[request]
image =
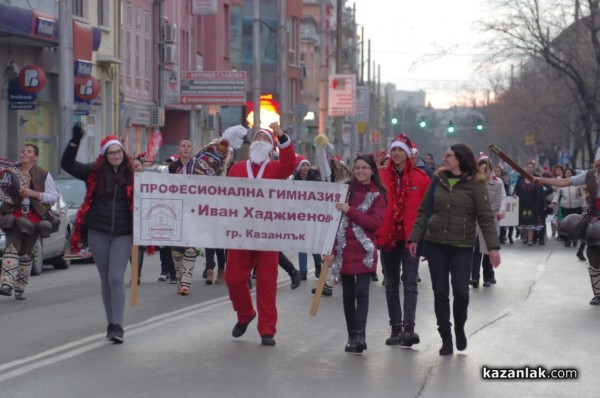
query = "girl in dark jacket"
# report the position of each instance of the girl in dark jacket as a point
(107, 213)
(355, 252)
(460, 202)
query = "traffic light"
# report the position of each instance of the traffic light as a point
(394, 120)
(423, 123)
(450, 127)
(479, 125)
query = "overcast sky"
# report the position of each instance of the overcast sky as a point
(406, 35)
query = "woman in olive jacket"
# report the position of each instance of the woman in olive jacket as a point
(460, 202)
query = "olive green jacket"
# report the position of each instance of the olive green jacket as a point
(456, 210)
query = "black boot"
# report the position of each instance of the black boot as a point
(580, 255)
(461, 338)
(318, 270)
(351, 344)
(446, 334)
(409, 337)
(395, 336)
(361, 344)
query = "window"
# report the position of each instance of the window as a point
(147, 49)
(103, 13)
(293, 39)
(80, 8)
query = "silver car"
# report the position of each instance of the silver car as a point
(54, 247)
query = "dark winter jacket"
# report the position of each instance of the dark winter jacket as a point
(109, 213)
(354, 253)
(456, 210)
(312, 175)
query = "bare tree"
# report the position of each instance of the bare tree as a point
(554, 34)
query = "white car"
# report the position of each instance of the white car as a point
(54, 247)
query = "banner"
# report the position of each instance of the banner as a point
(235, 213)
(511, 213)
(342, 95)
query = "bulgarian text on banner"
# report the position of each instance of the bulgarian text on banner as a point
(235, 213)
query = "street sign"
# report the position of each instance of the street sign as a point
(212, 88)
(26, 106)
(342, 95)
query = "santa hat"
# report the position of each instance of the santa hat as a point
(108, 141)
(300, 160)
(235, 135)
(483, 157)
(268, 133)
(402, 141)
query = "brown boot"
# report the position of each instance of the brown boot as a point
(209, 276)
(220, 277)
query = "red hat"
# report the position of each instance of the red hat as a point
(401, 141)
(483, 157)
(300, 159)
(108, 141)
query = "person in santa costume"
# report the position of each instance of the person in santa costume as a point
(406, 186)
(241, 262)
(107, 212)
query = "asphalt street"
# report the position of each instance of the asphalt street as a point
(537, 315)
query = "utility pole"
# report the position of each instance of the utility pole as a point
(284, 105)
(353, 131)
(66, 80)
(322, 71)
(256, 65)
(338, 69)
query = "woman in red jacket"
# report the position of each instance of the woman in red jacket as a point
(406, 186)
(355, 252)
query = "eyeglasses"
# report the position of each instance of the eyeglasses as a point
(362, 168)
(114, 153)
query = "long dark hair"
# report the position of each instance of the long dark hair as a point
(106, 178)
(466, 159)
(375, 179)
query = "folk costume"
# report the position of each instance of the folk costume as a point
(23, 221)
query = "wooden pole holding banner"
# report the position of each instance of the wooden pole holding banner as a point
(322, 278)
(134, 276)
(512, 163)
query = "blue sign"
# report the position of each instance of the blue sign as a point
(27, 106)
(83, 68)
(81, 112)
(44, 27)
(16, 94)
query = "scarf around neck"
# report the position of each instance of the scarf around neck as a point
(399, 193)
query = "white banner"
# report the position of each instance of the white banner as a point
(511, 213)
(235, 213)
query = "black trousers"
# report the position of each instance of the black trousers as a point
(355, 291)
(167, 266)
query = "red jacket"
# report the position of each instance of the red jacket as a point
(419, 182)
(275, 169)
(354, 253)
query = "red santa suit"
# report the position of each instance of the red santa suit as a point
(241, 262)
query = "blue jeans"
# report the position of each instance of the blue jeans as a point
(303, 259)
(397, 262)
(454, 263)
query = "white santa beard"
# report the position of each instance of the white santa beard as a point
(260, 151)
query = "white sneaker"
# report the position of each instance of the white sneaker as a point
(162, 277)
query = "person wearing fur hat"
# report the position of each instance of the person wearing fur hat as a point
(406, 187)
(234, 136)
(184, 258)
(26, 212)
(591, 180)
(241, 262)
(460, 201)
(305, 173)
(497, 198)
(107, 212)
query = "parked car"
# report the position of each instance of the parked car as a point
(54, 247)
(73, 191)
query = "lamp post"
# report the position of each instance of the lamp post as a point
(256, 65)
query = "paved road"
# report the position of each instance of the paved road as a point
(537, 315)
